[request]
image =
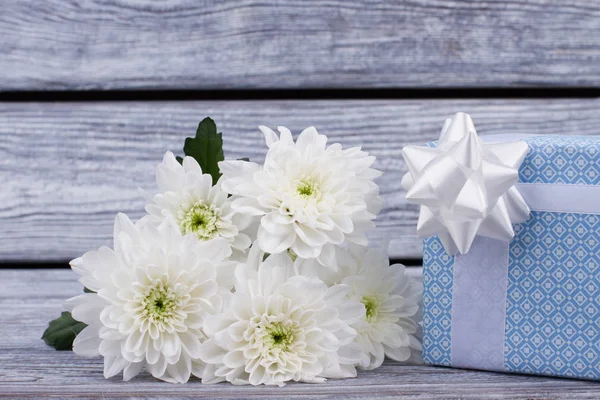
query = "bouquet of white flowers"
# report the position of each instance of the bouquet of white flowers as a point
(247, 273)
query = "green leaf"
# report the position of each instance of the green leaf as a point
(206, 148)
(62, 331)
(179, 159)
(86, 290)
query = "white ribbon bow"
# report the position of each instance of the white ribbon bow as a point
(465, 187)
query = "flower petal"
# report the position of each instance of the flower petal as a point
(87, 342)
(272, 243)
(132, 370)
(114, 365)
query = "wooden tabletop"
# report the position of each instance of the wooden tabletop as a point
(29, 298)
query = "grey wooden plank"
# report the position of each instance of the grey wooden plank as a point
(67, 168)
(28, 368)
(190, 44)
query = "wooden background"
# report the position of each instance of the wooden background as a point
(93, 92)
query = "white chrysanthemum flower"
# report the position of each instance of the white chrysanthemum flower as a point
(280, 327)
(310, 197)
(391, 299)
(188, 196)
(153, 292)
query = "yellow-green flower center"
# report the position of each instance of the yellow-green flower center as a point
(159, 303)
(307, 188)
(280, 335)
(200, 219)
(371, 307)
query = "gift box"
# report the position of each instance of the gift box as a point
(531, 304)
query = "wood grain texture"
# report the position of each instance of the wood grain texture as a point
(29, 299)
(67, 168)
(191, 44)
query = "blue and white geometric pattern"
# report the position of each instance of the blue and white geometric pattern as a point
(553, 297)
(437, 302)
(562, 159)
(552, 323)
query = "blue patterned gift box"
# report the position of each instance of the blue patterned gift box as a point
(533, 307)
